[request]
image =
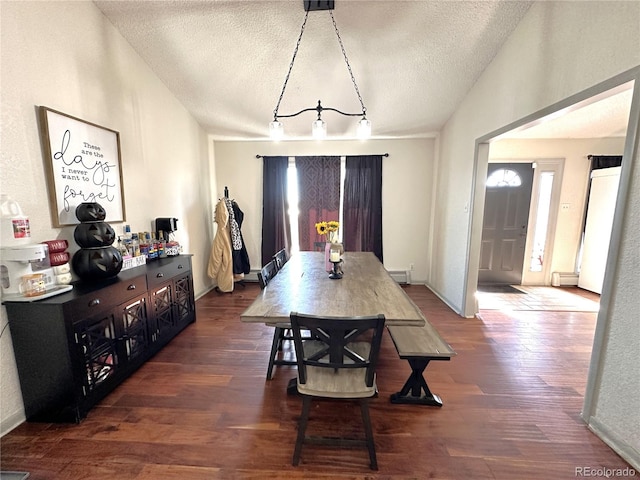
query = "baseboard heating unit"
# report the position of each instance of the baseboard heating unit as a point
(564, 279)
(401, 276)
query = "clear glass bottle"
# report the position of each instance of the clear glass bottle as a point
(162, 245)
(144, 245)
(127, 239)
(122, 248)
(135, 245)
(153, 254)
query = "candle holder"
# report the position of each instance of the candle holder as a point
(335, 273)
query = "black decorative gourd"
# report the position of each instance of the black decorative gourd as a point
(94, 234)
(90, 212)
(97, 259)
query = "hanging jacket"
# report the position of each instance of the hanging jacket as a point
(220, 260)
(241, 264)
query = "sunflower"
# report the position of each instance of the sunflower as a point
(333, 226)
(322, 228)
(328, 229)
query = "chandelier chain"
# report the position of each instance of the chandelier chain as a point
(293, 59)
(346, 60)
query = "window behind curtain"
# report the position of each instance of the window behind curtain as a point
(276, 232)
(318, 196)
(362, 230)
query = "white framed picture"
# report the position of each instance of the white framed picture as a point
(83, 164)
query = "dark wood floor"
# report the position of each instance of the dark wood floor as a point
(202, 409)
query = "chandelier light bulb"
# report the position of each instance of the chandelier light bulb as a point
(319, 129)
(276, 130)
(364, 128)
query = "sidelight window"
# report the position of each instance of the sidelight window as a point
(541, 222)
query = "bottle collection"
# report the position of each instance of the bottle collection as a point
(146, 244)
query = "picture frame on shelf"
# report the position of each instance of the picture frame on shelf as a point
(83, 164)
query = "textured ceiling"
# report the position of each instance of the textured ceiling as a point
(413, 61)
(226, 61)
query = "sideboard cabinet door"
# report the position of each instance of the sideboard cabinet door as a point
(171, 297)
(97, 347)
(164, 321)
(184, 300)
(135, 335)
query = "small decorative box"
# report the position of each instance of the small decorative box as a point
(131, 262)
(172, 249)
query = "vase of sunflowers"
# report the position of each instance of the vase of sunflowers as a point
(333, 248)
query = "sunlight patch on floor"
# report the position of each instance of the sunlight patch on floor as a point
(536, 299)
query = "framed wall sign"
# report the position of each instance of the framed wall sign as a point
(83, 164)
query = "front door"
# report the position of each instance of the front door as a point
(506, 215)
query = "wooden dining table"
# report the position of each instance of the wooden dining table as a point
(303, 285)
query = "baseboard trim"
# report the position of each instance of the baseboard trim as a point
(445, 300)
(622, 448)
(11, 422)
(199, 295)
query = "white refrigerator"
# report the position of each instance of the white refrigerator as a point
(597, 233)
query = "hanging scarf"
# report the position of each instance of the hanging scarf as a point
(236, 239)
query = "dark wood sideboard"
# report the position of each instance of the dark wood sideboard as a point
(73, 349)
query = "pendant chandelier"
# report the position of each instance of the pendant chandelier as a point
(319, 126)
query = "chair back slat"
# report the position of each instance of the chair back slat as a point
(266, 273)
(280, 259)
(334, 340)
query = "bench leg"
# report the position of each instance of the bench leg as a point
(416, 390)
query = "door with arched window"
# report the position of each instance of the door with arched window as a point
(506, 216)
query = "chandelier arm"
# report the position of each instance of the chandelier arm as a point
(293, 59)
(346, 60)
(315, 109)
(343, 113)
(298, 113)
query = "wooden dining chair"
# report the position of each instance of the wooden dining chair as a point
(280, 258)
(338, 362)
(280, 335)
(266, 273)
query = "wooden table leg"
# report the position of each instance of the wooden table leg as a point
(415, 390)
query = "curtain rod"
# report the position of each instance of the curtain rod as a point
(381, 154)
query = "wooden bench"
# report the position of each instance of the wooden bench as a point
(418, 345)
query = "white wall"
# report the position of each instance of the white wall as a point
(574, 183)
(567, 50)
(407, 176)
(616, 409)
(67, 56)
(559, 49)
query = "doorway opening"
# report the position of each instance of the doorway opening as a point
(553, 144)
(623, 83)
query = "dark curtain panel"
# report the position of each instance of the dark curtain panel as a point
(276, 231)
(318, 196)
(363, 205)
(604, 161)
